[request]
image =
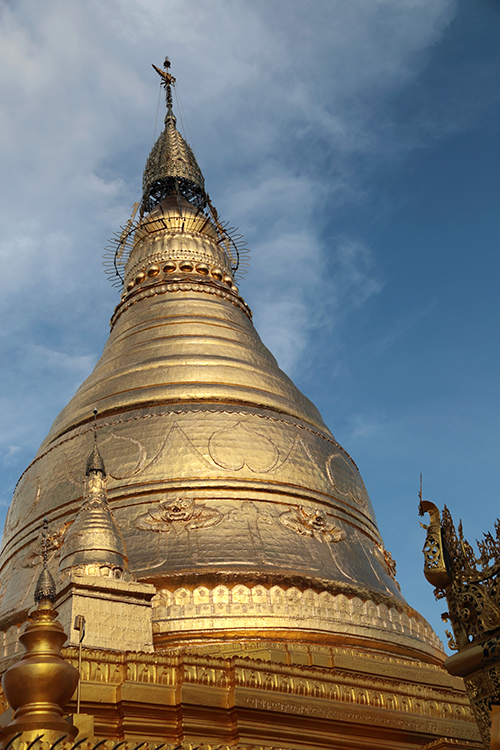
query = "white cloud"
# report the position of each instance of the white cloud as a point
(43, 357)
(10, 453)
(354, 272)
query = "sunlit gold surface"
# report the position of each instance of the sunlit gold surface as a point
(276, 619)
(117, 613)
(262, 695)
(220, 472)
(94, 543)
(40, 685)
(269, 694)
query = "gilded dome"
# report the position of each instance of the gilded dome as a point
(233, 497)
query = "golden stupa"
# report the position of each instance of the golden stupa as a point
(218, 541)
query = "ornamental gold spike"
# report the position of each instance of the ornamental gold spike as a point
(171, 169)
(40, 685)
(167, 81)
(174, 199)
(45, 586)
(94, 544)
(95, 464)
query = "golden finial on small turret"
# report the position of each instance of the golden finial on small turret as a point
(94, 544)
(41, 683)
(45, 586)
(95, 463)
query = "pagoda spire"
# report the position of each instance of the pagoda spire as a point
(94, 544)
(171, 169)
(174, 199)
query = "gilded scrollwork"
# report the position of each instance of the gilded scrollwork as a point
(431, 551)
(469, 583)
(178, 515)
(436, 564)
(345, 478)
(471, 586)
(482, 687)
(387, 560)
(312, 522)
(55, 541)
(238, 446)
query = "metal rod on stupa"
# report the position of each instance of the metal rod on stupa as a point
(167, 82)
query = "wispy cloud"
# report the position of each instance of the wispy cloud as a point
(355, 273)
(400, 327)
(312, 287)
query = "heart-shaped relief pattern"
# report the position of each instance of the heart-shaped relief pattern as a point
(234, 447)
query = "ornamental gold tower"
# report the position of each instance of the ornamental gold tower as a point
(218, 540)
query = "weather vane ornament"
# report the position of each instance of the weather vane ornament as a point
(167, 81)
(172, 172)
(471, 586)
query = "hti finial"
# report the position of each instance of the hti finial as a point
(420, 507)
(167, 82)
(45, 587)
(94, 461)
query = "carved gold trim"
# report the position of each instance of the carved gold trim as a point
(414, 707)
(312, 522)
(178, 515)
(184, 610)
(179, 285)
(343, 686)
(210, 409)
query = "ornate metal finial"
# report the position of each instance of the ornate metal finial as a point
(172, 174)
(171, 169)
(41, 683)
(167, 81)
(94, 461)
(471, 586)
(45, 587)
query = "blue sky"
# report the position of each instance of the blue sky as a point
(355, 143)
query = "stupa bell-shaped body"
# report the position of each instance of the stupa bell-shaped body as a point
(233, 497)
